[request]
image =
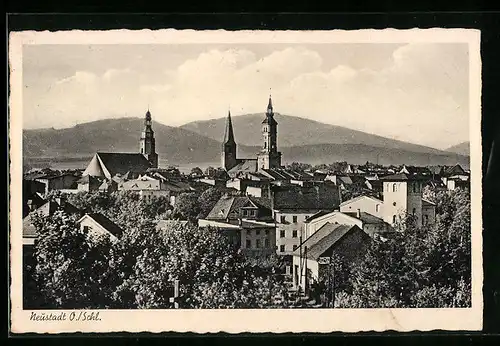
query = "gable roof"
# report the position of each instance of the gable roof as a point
(360, 197)
(317, 215)
(244, 165)
(323, 239)
(106, 223)
(230, 204)
(122, 163)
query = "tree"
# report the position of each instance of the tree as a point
(207, 201)
(71, 268)
(299, 166)
(187, 207)
(426, 266)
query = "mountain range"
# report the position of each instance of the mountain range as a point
(462, 148)
(200, 142)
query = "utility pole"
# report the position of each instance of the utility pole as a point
(175, 298)
(306, 283)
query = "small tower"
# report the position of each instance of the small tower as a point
(269, 156)
(402, 196)
(147, 142)
(228, 157)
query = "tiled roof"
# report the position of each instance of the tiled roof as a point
(228, 205)
(121, 163)
(323, 239)
(107, 224)
(245, 165)
(321, 196)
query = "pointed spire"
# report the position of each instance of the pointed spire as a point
(270, 104)
(229, 134)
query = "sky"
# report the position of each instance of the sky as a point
(416, 92)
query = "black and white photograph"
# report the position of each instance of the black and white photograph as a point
(290, 179)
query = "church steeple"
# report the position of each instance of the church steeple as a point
(147, 143)
(228, 156)
(228, 133)
(269, 157)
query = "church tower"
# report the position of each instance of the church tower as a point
(269, 156)
(147, 142)
(402, 196)
(228, 157)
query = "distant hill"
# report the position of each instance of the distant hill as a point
(118, 135)
(295, 131)
(180, 146)
(462, 148)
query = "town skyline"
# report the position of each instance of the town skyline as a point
(72, 85)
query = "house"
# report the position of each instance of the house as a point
(311, 258)
(108, 165)
(293, 204)
(96, 225)
(247, 221)
(47, 209)
(370, 224)
(457, 181)
(89, 183)
(368, 204)
(58, 181)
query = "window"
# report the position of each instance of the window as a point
(294, 233)
(394, 187)
(294, 218)
(267, 243)
(282, 234)
(414, 211)
(257, 232)
(426, 219)
(415, 187)
(294, 247)
(282, 248)
(265, 145)
(249, 232)
(249, 244)
(393, 218)
(283, 218)
(377, 208)
(86, 228)
(267, 232)
(257, 243)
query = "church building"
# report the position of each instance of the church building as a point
(269, 157)
(108, 165)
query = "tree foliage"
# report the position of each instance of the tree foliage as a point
(426, 266)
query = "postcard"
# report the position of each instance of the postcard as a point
(245, 181)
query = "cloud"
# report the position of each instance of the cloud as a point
(420, 96)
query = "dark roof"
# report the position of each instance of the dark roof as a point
(227, 205)
(403, 177)
(317, 197)
(229, 134)
(323, 239)
(106, 223)
(366, 217)
(244, 165)
(121, 163)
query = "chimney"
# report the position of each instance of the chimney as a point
(358, 213)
